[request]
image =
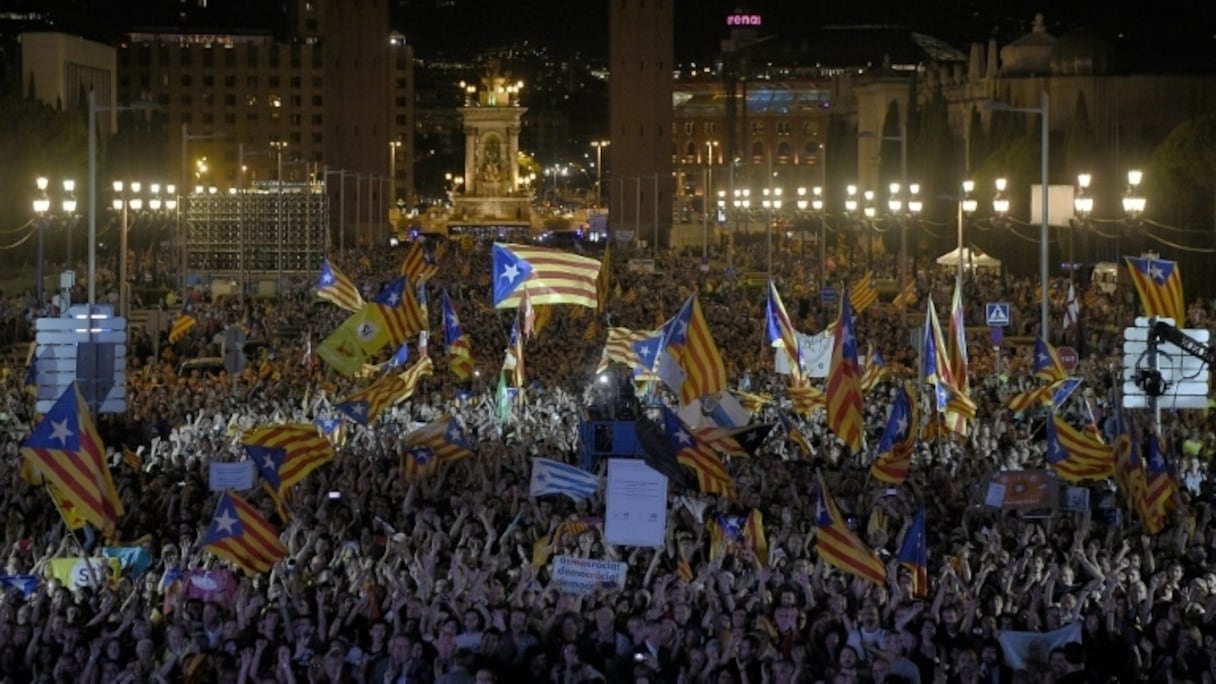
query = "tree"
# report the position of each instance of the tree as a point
(932, 160)
(37, 141)
(1182, 177)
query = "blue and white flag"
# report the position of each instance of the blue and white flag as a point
(399, 358)
(1032, 650)
(555, 477)
(26, 584)
(1063, 389)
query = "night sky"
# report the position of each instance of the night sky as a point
(1167, 31)
(1178, 28)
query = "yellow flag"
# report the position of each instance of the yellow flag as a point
(76, 573)
(342, 350)
(370, 328)
(544, 314)
(540, 551)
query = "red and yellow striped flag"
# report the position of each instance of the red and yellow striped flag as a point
(906, 296)
(864, 293)
(65, 451)
(839, 546)
(846, 417)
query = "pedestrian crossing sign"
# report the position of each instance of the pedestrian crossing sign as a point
(997, 314)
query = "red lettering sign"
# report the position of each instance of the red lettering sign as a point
(743, 20)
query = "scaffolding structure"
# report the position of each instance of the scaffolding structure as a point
(272, 229)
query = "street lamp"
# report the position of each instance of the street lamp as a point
(1082, 207)
(122, 202)
(742, 204)
(967, 206)
(869, 211)
(42, 205)
(709, 177)
(1043, 110)
(850, 212)
(161, 206)
(393, 147)
(771, 203)
(599, 146)
(902, 209)
(1133, 201)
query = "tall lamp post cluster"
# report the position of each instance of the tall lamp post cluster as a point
(42, 210)
(903, 208)
(1133, 204)
(128, 200)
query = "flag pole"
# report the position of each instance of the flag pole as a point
(67, 528)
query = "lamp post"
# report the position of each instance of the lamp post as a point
(1043, 110)
(1133, 201)
(967, 205)
(68, 279)
(850, 213)
(815, 204)
(162, 205)
(393, 147)
(709, 176)
(901, 206)
(599, 146)
(742, 204)
(869, 211)
(124, 201)
(1000, 206)
(42, 206)
(1082, 207)
(770, 203)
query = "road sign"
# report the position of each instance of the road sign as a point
(998, 336)
(1068, 358)
(827, 295)
(89, 351)
(997, 314)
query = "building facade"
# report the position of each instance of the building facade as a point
(333, 103)
(61, 69)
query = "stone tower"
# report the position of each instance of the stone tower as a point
(491, 115)
(641, 55)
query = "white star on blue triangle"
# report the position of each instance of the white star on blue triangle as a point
(226, 522)
(268, 460)
(509, 270)
(60, 428)
(392, 294)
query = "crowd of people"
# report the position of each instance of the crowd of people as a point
(448, 578)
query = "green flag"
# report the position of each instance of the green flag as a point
(342, 349)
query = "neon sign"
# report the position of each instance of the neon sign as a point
(743, 20)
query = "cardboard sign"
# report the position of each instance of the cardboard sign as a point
(583, 576)
(1023, 490)
(235, 476)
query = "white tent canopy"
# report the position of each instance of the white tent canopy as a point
(970, 257)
